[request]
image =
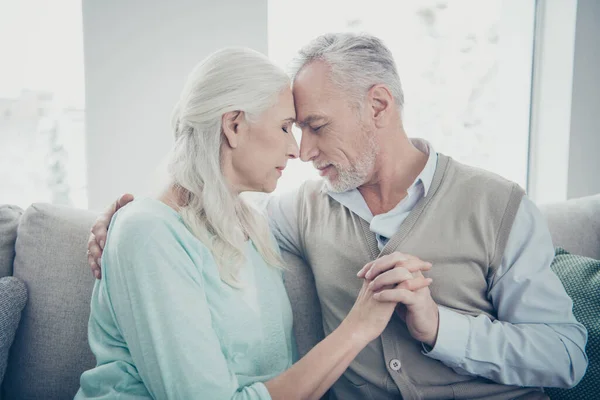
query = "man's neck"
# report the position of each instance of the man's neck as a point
(396, 169)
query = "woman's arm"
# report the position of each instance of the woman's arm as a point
(316, 372)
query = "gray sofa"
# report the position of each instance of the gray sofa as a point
(45, 246)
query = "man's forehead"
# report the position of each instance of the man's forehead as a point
(310, 105)
(312, 84)
(314, 95)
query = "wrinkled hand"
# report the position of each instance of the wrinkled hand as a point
(398, 278)
(368, 317)
(99, 231)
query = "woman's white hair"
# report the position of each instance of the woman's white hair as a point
(356, 62)
(232, 79)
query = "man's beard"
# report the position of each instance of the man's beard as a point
(353, 176)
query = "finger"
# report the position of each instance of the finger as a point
(416, 265)
(91, 240)
(411, 257)
(95, 251)
(392, 277)
(98, 273)
(113, 207)
(384, 263)
(396, 295)
(363, 270)
(392, 258)
(95, 269)
(397, 256)
(412, 265)
(418, 274)
(100, 229)
(91, 261)
(361, 273)
(123, 200)
(415, 284)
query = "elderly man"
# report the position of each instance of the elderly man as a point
(496, 323)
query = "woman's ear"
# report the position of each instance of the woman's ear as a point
(233, 123)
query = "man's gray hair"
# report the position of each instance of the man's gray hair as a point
(357, 62)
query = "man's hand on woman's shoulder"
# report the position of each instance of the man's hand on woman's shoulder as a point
(99, 231)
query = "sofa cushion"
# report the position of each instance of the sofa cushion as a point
(581, 279)
(51, 350)
(13, 296)
(575, 225)
(9, 221)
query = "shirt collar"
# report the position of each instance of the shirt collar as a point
(426, 176)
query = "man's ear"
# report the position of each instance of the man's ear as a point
(233, 123)
(381, 100)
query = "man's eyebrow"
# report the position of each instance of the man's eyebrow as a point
(289, 120)
(308, 120)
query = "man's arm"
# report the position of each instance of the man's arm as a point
(536, 340)
(282, 211)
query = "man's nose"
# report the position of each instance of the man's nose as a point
(308, 146)
(293, 151)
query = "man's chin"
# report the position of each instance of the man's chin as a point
(336, 186)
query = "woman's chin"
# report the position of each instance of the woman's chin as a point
(270, 188)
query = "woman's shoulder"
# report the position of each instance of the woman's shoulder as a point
(148, 221)
(142, 215)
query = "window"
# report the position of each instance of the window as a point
(465, 66)
(42, 134)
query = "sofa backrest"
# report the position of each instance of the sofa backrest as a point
(50, 350)
(575, 225)
(9, 221)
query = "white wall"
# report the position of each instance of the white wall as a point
(584, 149)
(137, 56)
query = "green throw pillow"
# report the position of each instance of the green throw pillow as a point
(581, 278)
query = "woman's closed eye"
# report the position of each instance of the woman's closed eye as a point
(287, 128)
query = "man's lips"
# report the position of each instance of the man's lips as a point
(324, 170)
